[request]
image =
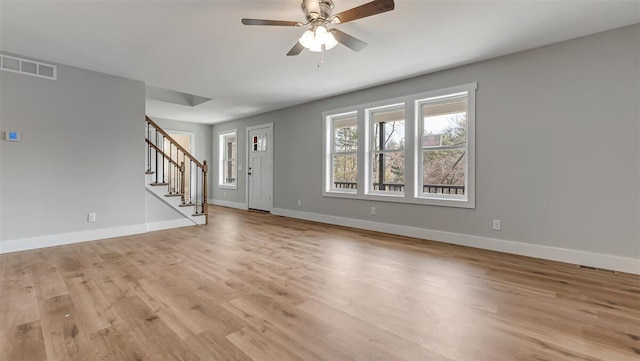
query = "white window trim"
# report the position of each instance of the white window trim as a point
(221, 152)
(412, 147)
(329, 151)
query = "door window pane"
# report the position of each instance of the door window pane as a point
(259, 143)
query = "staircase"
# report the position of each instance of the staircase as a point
(174, 175)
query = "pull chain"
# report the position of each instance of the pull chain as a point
(321, 56)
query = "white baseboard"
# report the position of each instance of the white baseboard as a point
(622, 264)
(24, 244)
(174, 223)
(219, 202)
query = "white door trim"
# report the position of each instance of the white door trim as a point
(192, 138)
(248, 153)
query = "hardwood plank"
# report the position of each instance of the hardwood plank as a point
(92, 309)
(304, 335)
(361, 339)
(19, 304)
(260, 347)
(48, 280)
(23, 342)
(64, 337)
(144, 333)
(212, 346)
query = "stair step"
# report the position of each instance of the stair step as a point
(187, 205)
(198, 214)
(159, 184)
(173, 195)
(149, 172)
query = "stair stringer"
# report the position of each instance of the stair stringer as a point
(160, 193)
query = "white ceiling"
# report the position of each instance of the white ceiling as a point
(201, 48)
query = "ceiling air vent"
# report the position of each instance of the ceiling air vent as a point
(28, 67)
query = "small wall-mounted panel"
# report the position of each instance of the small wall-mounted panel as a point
(12, 136)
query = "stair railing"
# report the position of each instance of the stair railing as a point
(174, 167)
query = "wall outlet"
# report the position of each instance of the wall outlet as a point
(299, 203)
(224, 194)
(91, 217)
(496, 225)
(373, 210)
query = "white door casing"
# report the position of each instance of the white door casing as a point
(260, 167)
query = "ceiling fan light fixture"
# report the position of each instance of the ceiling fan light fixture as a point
(316, 48)
(318, 39)
(321, 34)
(307, 39)
(318, 14)
(331, 42)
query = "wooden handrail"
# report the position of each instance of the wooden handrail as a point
(164, 154)
(159, 130)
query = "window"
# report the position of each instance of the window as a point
(443, 146)
(228, 160)
(343, 153)
(387, 146)
(415, 149)
(259, 143)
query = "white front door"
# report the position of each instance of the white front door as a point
(260, 170)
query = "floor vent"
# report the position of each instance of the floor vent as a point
(597, 269)
(28, 67)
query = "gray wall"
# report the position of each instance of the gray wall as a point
(557, 140)
(159, 211)
(202, 132)
(81, 151)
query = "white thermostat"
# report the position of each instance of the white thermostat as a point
(12, 136)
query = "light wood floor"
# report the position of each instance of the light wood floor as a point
(254, 286)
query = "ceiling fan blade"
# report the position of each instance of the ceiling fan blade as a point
(373, 8)
(349, 41)
(296, 50)
(312, 6)
(270, 22)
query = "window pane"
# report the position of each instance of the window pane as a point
(444, 122)
(392, 176)
(388, 128)
(230, 172)
(230, 147)
(345, 134)
(345, 171)
(228, 159)
(444, 171)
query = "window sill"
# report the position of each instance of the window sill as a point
(403, 198)
(227, 186)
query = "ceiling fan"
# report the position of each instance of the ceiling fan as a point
(319, 37)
